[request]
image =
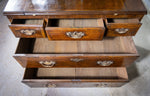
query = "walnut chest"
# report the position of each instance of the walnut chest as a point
(75, 43)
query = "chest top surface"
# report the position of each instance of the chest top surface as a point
(58, 7)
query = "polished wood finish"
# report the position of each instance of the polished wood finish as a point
(69, 7)
(76, 77)
(56, 9)
(120, 50)
(139, 16)
(120, 45)
(76, 73)
(33, 20)
(131, 24)
(37, 25)
(58, 28)
(15, 6)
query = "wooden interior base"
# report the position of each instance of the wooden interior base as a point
(108, 45)
(83, 73)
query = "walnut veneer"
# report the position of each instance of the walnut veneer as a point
(75, 43)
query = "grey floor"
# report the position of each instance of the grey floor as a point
(11, 72)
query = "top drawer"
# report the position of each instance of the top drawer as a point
(75, 29)
(122, 27)
(28, 28)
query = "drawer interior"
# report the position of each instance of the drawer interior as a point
(28, 21)
(75, 23)
(77, 73)
(122, 20)
(117, 45)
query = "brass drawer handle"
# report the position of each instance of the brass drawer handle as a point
(47, 63)
(76, 59)
(75, 35)
(28, 32)
(51, 85)
(122, 30)
(102, 85)
(105, 63)
(115, 14)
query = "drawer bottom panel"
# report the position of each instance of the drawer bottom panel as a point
(75, 77)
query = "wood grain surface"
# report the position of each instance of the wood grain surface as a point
(93, 29)
(108, 45)
(120, 50)
(131, 24)
(76, 77)
(38, 25)
(76, 73)
(60, 7)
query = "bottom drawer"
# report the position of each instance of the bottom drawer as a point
(75, 77)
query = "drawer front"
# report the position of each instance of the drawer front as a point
(73, 84)
(122, 29)
(28, 31)
(75, 33)
(37, 61)
(75, 29)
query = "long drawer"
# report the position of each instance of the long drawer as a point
(75, 77)
(111, 52)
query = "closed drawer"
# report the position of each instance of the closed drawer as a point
(75, 77)
(111, 52)
(75, 29)
(122, 27)
(28, 28)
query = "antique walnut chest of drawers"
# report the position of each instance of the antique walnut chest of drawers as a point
(75, 43)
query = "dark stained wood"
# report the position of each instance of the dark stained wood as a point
(60, 33)
(58, 28)
(69, 7)
(76, 5)
(134, 5)
(38, 25)
(15, 6)
(76, 77)
(121, 50)
(73, 16)
(32, 61)
(131, 24)
(38, 14)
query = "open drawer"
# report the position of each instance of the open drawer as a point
(28, 28)
(111, 52)
(75, 77)
(75, 29)
(122, 27)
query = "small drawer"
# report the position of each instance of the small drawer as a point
(75, 77)
(122, 27)
(40, 52)
(75, 29)
(28, 28)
